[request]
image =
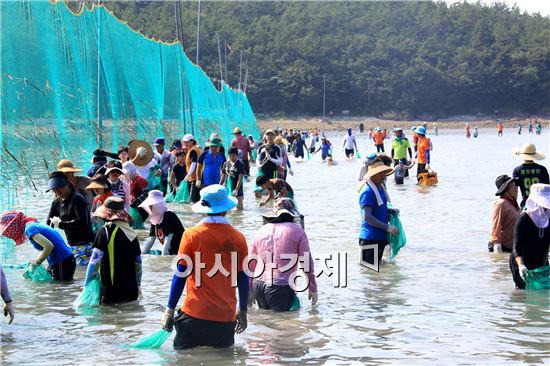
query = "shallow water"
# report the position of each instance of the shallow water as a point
(445, 300)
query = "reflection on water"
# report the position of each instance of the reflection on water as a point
(444, 301)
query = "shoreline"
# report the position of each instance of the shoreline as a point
(341, 123)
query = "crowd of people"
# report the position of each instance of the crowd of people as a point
(100, 213)
(97, 214)
(522, 229)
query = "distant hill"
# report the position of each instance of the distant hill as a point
(400, 59)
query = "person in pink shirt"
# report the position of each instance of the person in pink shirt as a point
(241, 143)
(277, 240)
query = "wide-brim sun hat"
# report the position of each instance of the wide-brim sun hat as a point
(214, 199)
(188, 137)
(113, 209)
(281, 206)
(540, 194)
(421, 130)
(280, 141)
(67, 166)
(502, 182)
(144, 150)
(378, 168)
(96, 185)
(112, 169)
(237, 130)
(154, 197)
(528, 152)
(216, 141)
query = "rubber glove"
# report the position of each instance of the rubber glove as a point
(523, 271)
(313, 297)
(234, 193)
(167, 321)
(8, 311)
(54, 221)
(497, 248)
(242, 321)
(198, 183)
(290, 172)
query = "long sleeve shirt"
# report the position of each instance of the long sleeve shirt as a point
(277, 240)
(4, 291)
(504, 218)
(75, 218)
(531, 243)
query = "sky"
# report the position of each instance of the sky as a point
(530, 6)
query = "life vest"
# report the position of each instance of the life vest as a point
(188, 162)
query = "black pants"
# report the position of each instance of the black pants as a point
(246, 166)
(275, 297)
(64, 270)
(396, 163)
(194, 192)
(367, 255)
(380, 148)
(421, 168)
(349, 152)
(192, 332)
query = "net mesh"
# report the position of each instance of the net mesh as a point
(72, 82)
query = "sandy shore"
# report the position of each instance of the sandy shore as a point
(337, 124)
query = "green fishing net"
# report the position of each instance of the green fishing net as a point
(357, 155)
(90, 295)
(155, 340)
(396, 241)
(137, 220)
(182, 196)
(308, 154)
(229, 184)
(538, 279)
(37, 273)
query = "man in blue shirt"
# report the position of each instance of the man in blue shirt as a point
(374, 214)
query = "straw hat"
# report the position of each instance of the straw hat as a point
(214, 200)
(97, 185)
(280, 141)
(113, 209)
(528, 152)
(237, 130)
(377, 168)
(67, 166)
(142, 150)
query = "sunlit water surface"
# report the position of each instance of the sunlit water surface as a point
(445, 300)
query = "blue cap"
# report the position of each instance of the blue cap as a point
(56, 182)
(159, 141)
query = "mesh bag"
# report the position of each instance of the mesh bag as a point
(538, 279)
(396, 241)
(137, 220)
(155, 340)
(90, 295)
(37, 273)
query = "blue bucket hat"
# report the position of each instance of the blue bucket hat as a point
(421, 130)
(214, 200)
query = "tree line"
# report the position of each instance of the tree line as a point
(393, 59)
